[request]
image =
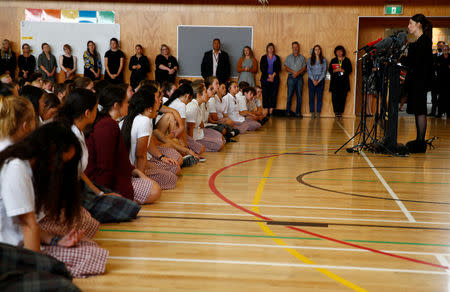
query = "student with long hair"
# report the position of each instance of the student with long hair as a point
(137, 128)
(317, 68)
(108, 163)
(114, 63)
(79, 111)
(39, 190)
(92, 62)
(247, 66)
(212, 140)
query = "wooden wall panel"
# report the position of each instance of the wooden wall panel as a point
(328, 23)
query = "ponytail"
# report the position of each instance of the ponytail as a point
(427, 26)
(77, 102)
(182, 90)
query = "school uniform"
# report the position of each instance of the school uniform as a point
(233, 114)
(242, 106)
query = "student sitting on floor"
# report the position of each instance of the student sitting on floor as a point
(212, 140)
(79, 111)
(108, 163)
(137, 130)
(240, 122)
(246, 98)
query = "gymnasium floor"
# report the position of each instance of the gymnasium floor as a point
(325, 221)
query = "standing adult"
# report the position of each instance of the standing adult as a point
(92, 62)
(26, 62)
(418, 79)
(247, 67)
(216, 63)
(340, 69)
(114, 62)
(68, 62)
(317, 68)
(443, 63)
(270, 65)
(436, 111)
(166, 66)
(47, 63)
(8, 60)
(295, 64)
(139, 67)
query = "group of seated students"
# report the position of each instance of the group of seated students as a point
(85, 153)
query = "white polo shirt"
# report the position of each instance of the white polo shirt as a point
(221, 106)
(195, 115)
(233, 108)
(180, 106)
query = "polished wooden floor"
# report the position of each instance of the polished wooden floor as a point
(380, 223)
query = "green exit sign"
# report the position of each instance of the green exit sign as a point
(393, 9)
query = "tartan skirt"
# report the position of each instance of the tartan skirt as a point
(194, 145)
(141, 189)
(212, 140)
(170, 153)
(252, 124)
(241, 126)
(166, 179)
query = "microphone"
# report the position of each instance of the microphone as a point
(400, 40)
(371, 44)
(381, 46)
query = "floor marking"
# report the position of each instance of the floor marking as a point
(264, 246)
(264, 236)
(385, 184)
(301, 207)
(275, 264)
(442, 260)
(298, 217)
(292, 251)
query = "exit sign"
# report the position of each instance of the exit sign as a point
(393, 9)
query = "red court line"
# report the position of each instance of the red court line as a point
(214, 189)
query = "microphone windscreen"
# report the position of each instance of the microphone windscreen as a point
(384, 44)
(402, 38)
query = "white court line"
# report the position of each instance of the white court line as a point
(385, 184)
(269, 246)
(301, 207)
(443, 261)
(298, 217)
(415, 172)
(272, 264)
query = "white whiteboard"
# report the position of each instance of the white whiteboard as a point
(75, 34)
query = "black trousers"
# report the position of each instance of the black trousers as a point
(339, 97)
(269, 93)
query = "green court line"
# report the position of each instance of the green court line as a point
(326, 179)
(267, 236)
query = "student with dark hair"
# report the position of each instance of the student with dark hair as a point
(270, 65)
(60, 89)
(418, 79)
(79, 111)
(47, 63)
(244, 100)
(114, 63)
(139, 67)
(48, 107)
(26, 62)
(232, 108)
(340, 69)
(92, 62)
(166, 66)
(7, 90)
(216, 63)
(39, 190)
(36, 96)
(137, 128)
(8, 60)
(82, 82)
(68, 62)
(317, 69)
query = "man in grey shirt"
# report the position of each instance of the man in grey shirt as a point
(295, 64)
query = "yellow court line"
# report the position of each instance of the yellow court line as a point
(292, 251)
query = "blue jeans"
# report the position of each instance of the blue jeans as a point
(294, 84)
(312, 92)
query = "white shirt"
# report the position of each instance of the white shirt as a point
(16, 197)
(221, 106)
(195, 115)
(212, 105)
(233, 108)
(142, 127)
(242, 101)
(180, 106)
(84, 150)
(215, 61)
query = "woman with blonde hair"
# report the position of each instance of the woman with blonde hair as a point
(247, 67)
(166, 66)
(7, 59)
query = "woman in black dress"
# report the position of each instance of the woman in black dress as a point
(418, 79)
(114, 62)
(166, 66)
(139, 67)
(68, 62)
(340, 68)
(92, 62)
(26, 62)
(7, 60)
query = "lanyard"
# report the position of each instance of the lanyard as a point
(340, 62)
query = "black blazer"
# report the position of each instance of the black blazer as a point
(223, 66)
(264, 66)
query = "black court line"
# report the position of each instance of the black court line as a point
(293, 223)
(301, 180)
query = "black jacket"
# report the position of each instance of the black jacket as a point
(264, 66)
(223, 66)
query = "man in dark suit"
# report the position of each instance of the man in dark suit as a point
(216, 63)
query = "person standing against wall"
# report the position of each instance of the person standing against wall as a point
(7, 60)
(340, 69)
(166, 66)
(139, 67)
(114, 63)
(26, 62)
(47, 63)
(317, 68)
(247, 67)
(270, 65)
(216, 63)
(295, 64)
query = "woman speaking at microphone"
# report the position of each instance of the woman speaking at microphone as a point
(418, 79)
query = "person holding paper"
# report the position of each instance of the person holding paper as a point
(340, 69)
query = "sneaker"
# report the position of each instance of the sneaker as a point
(202, 159)
(189, 160)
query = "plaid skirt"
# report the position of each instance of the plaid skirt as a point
(241, 126)
(171, 153)
(141, 188)
(106, 209)
(252, 124)
(25, 270)
(212, 140)
(166, 179)
(194, 145)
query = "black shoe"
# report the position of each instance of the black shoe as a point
(287, 114)
(416, 146)
(189, 160)
(300, 116)
(231, 140)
